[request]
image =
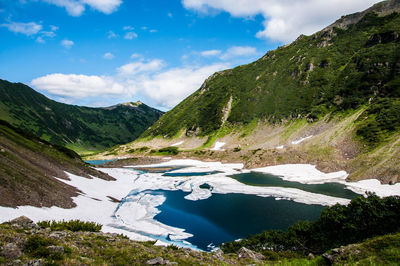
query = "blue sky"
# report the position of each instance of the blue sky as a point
(104, 52)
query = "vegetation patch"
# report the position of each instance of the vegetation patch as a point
(72, 225)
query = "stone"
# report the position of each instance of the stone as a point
(156, 261)
(55, 249)
(11, 251)
(23, 222)
(2, 150)
(330, 258)
(34, 263)
(311, 256)
(245, 253)
(218, 254)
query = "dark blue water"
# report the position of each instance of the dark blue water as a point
(227, 217)
(268, 180)
(99, 162)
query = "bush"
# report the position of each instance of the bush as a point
(337, 226)
(169, 150)
(36, 246)
(73, 225)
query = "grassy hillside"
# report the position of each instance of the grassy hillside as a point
(77, 127)
(351, 63)
(28, 166)
(24, 242)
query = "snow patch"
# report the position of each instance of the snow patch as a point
(178, 143)
(218, 145)
(301, 140)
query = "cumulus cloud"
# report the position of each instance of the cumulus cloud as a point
(210, 53)
(151, 80)
(108, 56)
(140, 67)
(111, 35)
(30, 28)
(130, 35)
(67, 43)
(172, 86)
(77, 86)
(77, 7)
(237, 51)
(284, 20)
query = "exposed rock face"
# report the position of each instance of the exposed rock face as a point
(11, 251)
(245, 253)
(156, 261)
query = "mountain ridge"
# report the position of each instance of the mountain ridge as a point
(77, 127)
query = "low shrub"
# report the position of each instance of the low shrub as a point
(72, 225)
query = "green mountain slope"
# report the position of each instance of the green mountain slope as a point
(331, 99)
(74, 126)
(28, 166)
(353, 62)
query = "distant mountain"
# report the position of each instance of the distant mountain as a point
(76, 127)
(28, 167)
(354, 61)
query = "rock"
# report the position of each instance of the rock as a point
(11, 251)
(58, 234)
(156, 261)
(2, 150)
(330, 258)
(55, 249)
(218, 254)
(311, 256)
(23, 222)
(245, 253)
(34, 263)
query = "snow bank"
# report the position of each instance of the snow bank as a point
(308, 174)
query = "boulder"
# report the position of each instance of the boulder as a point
(11, 251)
(156, 261)
(23, 222)
(245, 253)
(55, 249)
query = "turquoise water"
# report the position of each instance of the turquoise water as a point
(227, 217)
(268, 180)
(98, 162)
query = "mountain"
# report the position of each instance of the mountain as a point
(350, 63)
(29, 165)
(80, 128)
(330, 99)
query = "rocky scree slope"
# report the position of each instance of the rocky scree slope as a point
(73, 126)
(28, 167)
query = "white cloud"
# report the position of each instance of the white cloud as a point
(128, 28)
(77, 86)
(134, 56)
(169, 15)
(284, 20)
(108, 56)
(30, 28)
(54, 28)
(172, 86)
(140, 67)
(105, 6)
(67, 43)
(237, 51)
(77, 7)
(211, 53)
(111, 35)
(153, 31)
(130, 35)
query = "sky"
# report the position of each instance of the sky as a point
(104, 52)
